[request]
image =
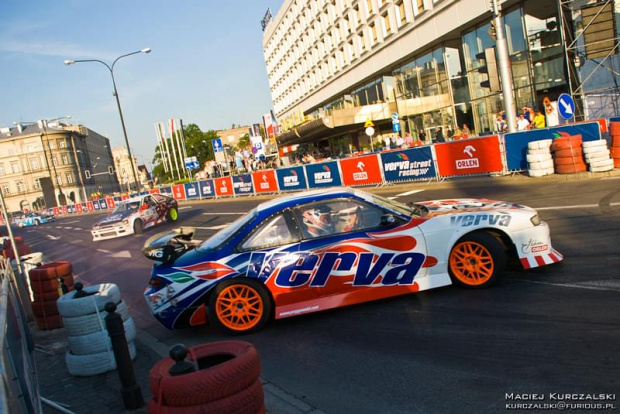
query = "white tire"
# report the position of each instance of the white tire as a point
(541, 173)
(70, 306)
(86, 324)
(543, 143)
(602, 163)
(538, 157)
(541, 151)
(542, 165)
(589, 145)
(97, 342)
(94, 364)
(597, 154)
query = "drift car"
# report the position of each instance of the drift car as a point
(133, 215)
(319, 250)
(34, 219)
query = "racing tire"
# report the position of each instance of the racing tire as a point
(251, 400)
(240, 306)
(96, 342)
(47, 286)
(477, 260)
(49, 322)
(70, 306)
(570, 168)
(568, 161)
(568, 152)
(602, 166)
(44, 297)
(44, 309)
(94, 364)
(597, 155)
(172, 215)
(49, 271)
(87, 324)
(614, 128)
(594, 145)
(540, 144)
(615, 152)
(538, 157)
(138, 227)
(225, 368)
(541, 172)
(541, 165)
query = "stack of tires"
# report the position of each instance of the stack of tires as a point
(614, 131)
(568, 155)
(46, 289)
(539, 158)
(22, 248)
(225, 380)
(83, 315)
(598, 156)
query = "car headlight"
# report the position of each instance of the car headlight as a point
(95, 226)
(125, 221)
(535, 219)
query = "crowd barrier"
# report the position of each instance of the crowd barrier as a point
(492, 154)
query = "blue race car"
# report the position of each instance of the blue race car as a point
(34, 219)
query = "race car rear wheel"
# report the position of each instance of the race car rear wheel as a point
(477, 260)
(172, 216)
(137, 226)
(240, 306)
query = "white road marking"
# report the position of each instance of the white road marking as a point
(124, 253)
(53, 237)
(185, 207)
(221, 214)
(593, 285)
(405, 194)
(102, 250)
(74, 221)
(576, 206)
(214, 227)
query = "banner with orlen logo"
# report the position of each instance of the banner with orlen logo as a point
(191, 190)
(103, 204)
(154, 191)
(469, 156)
(90, 206)
(206, 188)
(110, 202)
(411, 164)
(243, 184)
(125, 197)
(363, 170)
(65, 210)
(323, 175)
(78, 207)
(178, 191)
(265, 181)
(292, 178)
(223, 186)
(56, 211)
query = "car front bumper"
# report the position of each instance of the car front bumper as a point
(111, 232)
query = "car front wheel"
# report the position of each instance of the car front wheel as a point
(476, 260)
(173, 215)
(137, 226)
(240, 306)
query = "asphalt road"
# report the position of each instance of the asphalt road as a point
(449, 350)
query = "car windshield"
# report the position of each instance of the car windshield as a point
(407, 209)
(127, 206)
(221, 236)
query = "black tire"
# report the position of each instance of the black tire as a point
(137, 226)
(172, 215)
(238, 293)
(476, 260)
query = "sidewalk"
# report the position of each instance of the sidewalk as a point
(100, 394)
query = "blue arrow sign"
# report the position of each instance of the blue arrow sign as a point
(566, 106)
(217, 145)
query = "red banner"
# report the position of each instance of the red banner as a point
(78, 207)
(265, 181)
(89, 206)
(223, 186)
(469, 156)
(56, 211)
(154, 191)
(110, 202)
(361, 170)
(64, 210)
(125, 197)
(178, 191)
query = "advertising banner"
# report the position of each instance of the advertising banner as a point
(178, 191)
(469, 156)
(56, 211)
(90, 206)
(223, 186)
(292, 178)
(110, 203)
(154, 191)
(411, 164)
(363, 170)
(78, 207)
(125, 197)
(325, 174)
(516, 142)
(265, 181)
(64, 210)
(206, 188)
(191, 190)
(117, 199)
(166, 190)
(103, 203)
(243, 184)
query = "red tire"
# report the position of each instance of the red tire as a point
(225, 368)
(570, 169)
(45, 309)
(616, 162)
(250, 400)
(573, 141)
(50, 271)
(569, 152)
(46, 297)
(615, 152)
(49, 322)
(569, 161)
(46, 286)
(614, 128)
(615, 141)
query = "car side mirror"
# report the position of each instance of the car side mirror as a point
(387, 219)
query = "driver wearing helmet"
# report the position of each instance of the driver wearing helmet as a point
(318, 221)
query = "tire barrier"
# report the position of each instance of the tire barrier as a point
(83, 314)
(46, 286)
(220, 377)
(22, 248)
(568, 154)
(598, 156)
(28, 262)
(539, 158)
(614, 131)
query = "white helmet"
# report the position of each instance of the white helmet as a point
(318, 221)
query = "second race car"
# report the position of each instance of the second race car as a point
(133, 215)
(34, 219)
(331, 248)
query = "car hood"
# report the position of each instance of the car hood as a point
(114, 218)
(462, 205)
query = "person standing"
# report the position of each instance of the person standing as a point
(466, 131)
(539, 120)
(439, 135)
(422, 135)
(522, 123)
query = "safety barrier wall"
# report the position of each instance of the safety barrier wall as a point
(466, 157)
(19, 388)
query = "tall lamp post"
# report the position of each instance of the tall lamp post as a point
(118, 102)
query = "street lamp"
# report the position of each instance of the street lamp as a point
(118, 102)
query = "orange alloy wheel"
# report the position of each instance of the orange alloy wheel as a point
(241, 306)
(476, 260)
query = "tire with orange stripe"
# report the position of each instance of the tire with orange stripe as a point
(568, 161)
(52, 270)
(44, 309)
(46, 286)
(614, 128)
(569, 152)
(572, 141)
(570, 168)
(615, 152)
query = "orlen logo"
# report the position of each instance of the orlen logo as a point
(471, 162)
(265, 184)
(362, 175)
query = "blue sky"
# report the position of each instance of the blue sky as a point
(206, 66)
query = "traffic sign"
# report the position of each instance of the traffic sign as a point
(566, 106)
(368, 124)
(370, 131)
(191, 163)
(394, 117)
(217, 145)
(396, 126)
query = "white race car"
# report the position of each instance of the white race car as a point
(133, 215)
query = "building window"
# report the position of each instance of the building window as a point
(362, 42)
(62, 143)
(5, 189)
(386, 24)
(37, 183)
(34, 164)
(418, 6)
(54, 161)
(21, 188)
(401, 18)
(369, 7)
(15, 167)
(69, 178)
(65, 159)
(373, 31)
(358, 16)
(1, 168)
(58, 180)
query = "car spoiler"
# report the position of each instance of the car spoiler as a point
(166, 247)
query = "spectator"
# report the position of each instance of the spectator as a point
(422, 135)
(399, 142)
(522, 123)
(528, 114)
(500, 124)
(439, 135)
(466, 133)
(408, 140)
(539, 120)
